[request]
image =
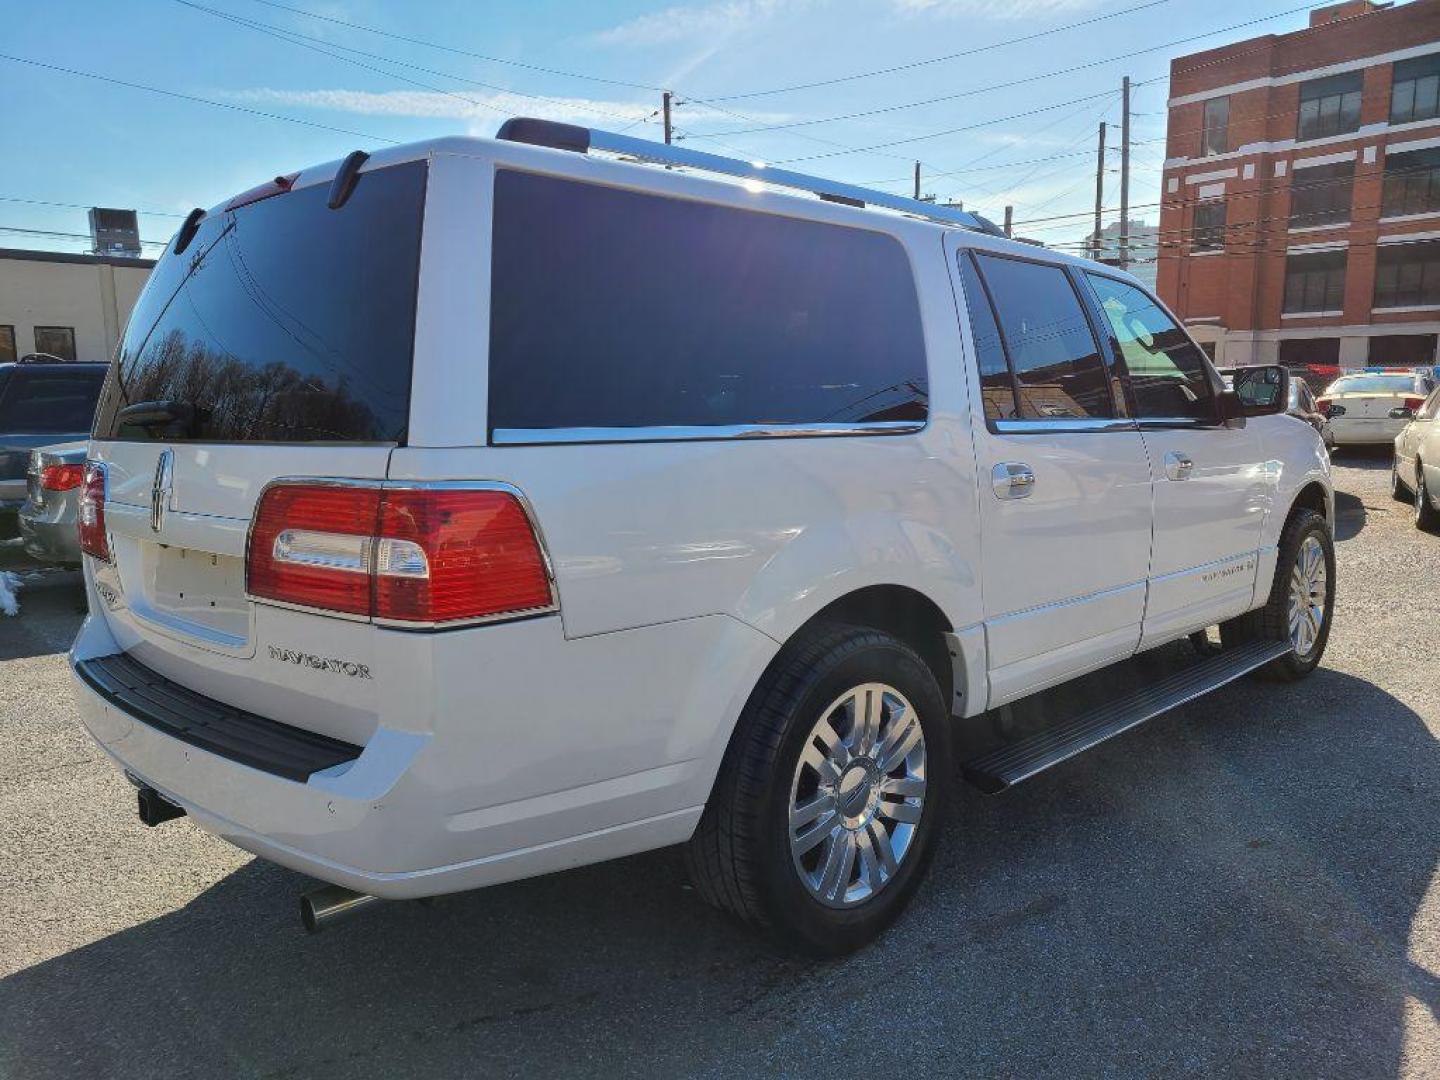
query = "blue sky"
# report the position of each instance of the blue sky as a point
(71, 139)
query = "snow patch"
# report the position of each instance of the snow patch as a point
(9, 586)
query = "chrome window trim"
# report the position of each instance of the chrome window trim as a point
(691, 433)
(413, 485)
(1062, 425)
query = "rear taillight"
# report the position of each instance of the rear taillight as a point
(62, 477)
(1413, 403)
(416, 556)
(90, 515)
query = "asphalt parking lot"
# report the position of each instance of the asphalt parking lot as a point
(1246, 886)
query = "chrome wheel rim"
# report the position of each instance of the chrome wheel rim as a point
(1307, 596)
(857, 795)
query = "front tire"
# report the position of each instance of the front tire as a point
(1398, 491)
(1301, 604)
(829, 801)
(1427, 518)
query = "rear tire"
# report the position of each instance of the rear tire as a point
(1295, 603)
(1427, 518)
(804, 768)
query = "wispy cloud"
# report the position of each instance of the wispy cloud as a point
(722, 19)
(481, 111)
(1009, 10)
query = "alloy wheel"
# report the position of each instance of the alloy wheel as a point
(1308, 582)
(857, 795)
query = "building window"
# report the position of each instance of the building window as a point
(1412, 183)
(1214, 136)
(1402, 350)
(1208, 233)
(1330, 106)
(56, 340)
(1320, 194)
(7, 344)
(1315, 281)
(1408, 275)
(1415, 93)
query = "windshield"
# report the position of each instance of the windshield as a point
(1373, 384)
(283, 321)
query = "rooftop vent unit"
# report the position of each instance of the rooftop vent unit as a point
(114, 232)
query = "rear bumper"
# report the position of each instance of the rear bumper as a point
(1354, 432)
(490, 795)
(49, 537)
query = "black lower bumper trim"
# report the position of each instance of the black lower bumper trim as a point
(232, 733)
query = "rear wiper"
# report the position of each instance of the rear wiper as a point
(177, 417)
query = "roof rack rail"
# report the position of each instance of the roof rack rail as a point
(581, 140)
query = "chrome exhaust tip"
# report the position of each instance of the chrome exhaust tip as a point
(329, 904)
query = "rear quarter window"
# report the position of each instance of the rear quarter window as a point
(613, 309)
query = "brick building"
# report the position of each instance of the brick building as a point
(1300, 219)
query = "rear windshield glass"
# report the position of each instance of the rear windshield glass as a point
(1374, 384)
(614, 309)
(283, 321)
(50, 402)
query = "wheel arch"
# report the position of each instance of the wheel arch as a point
(1314, 495)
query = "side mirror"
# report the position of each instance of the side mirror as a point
(1401, 413)
(1263, 390)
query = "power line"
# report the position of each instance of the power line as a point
(459, 52)
(192, 97)
(56, 234)
(864, 113)
(935, 59)
(80, 206)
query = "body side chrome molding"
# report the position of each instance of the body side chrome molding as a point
(560, 436)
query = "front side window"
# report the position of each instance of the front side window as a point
(50, 402)
(1315, 282)
(1412, 183)
(1408, 275)
(1059, 372)
(7, 343)
(1214, 136)
(1320, 194)
(1168, 374)
(618, 309)
(1415, 91)
(56, 340)
(1209, 230)
(1330, 106)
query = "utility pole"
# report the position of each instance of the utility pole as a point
(1099, 191)
(917, 181)
(1009, 220)
(666, 107)
(1125, 174)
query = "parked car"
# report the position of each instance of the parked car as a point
(636, 507)
(1415, 471)
(42, 402)
(1301, 405)
(1359, 406)
(47, 519)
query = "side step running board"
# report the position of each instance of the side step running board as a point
(1020, 760)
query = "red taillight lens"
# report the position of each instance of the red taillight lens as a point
(62, 477)
(1414, 403)
(90, 515)
(423, 556)
(310, 544)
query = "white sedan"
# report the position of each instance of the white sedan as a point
(1367, 408)
(1415, 472)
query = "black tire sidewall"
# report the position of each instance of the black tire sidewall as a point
(798, 919)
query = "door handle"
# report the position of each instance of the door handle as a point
(1178, 465)
(1012, 480)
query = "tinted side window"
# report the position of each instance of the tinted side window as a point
(1058, 369)
(1167, 372)
(51, 402)
(997, 388)
(618, 309)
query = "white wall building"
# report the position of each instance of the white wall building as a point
(74, 306)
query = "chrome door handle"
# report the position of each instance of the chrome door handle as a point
(1012, 480)
(1178, 465)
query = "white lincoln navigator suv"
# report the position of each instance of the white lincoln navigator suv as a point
(482, 508)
